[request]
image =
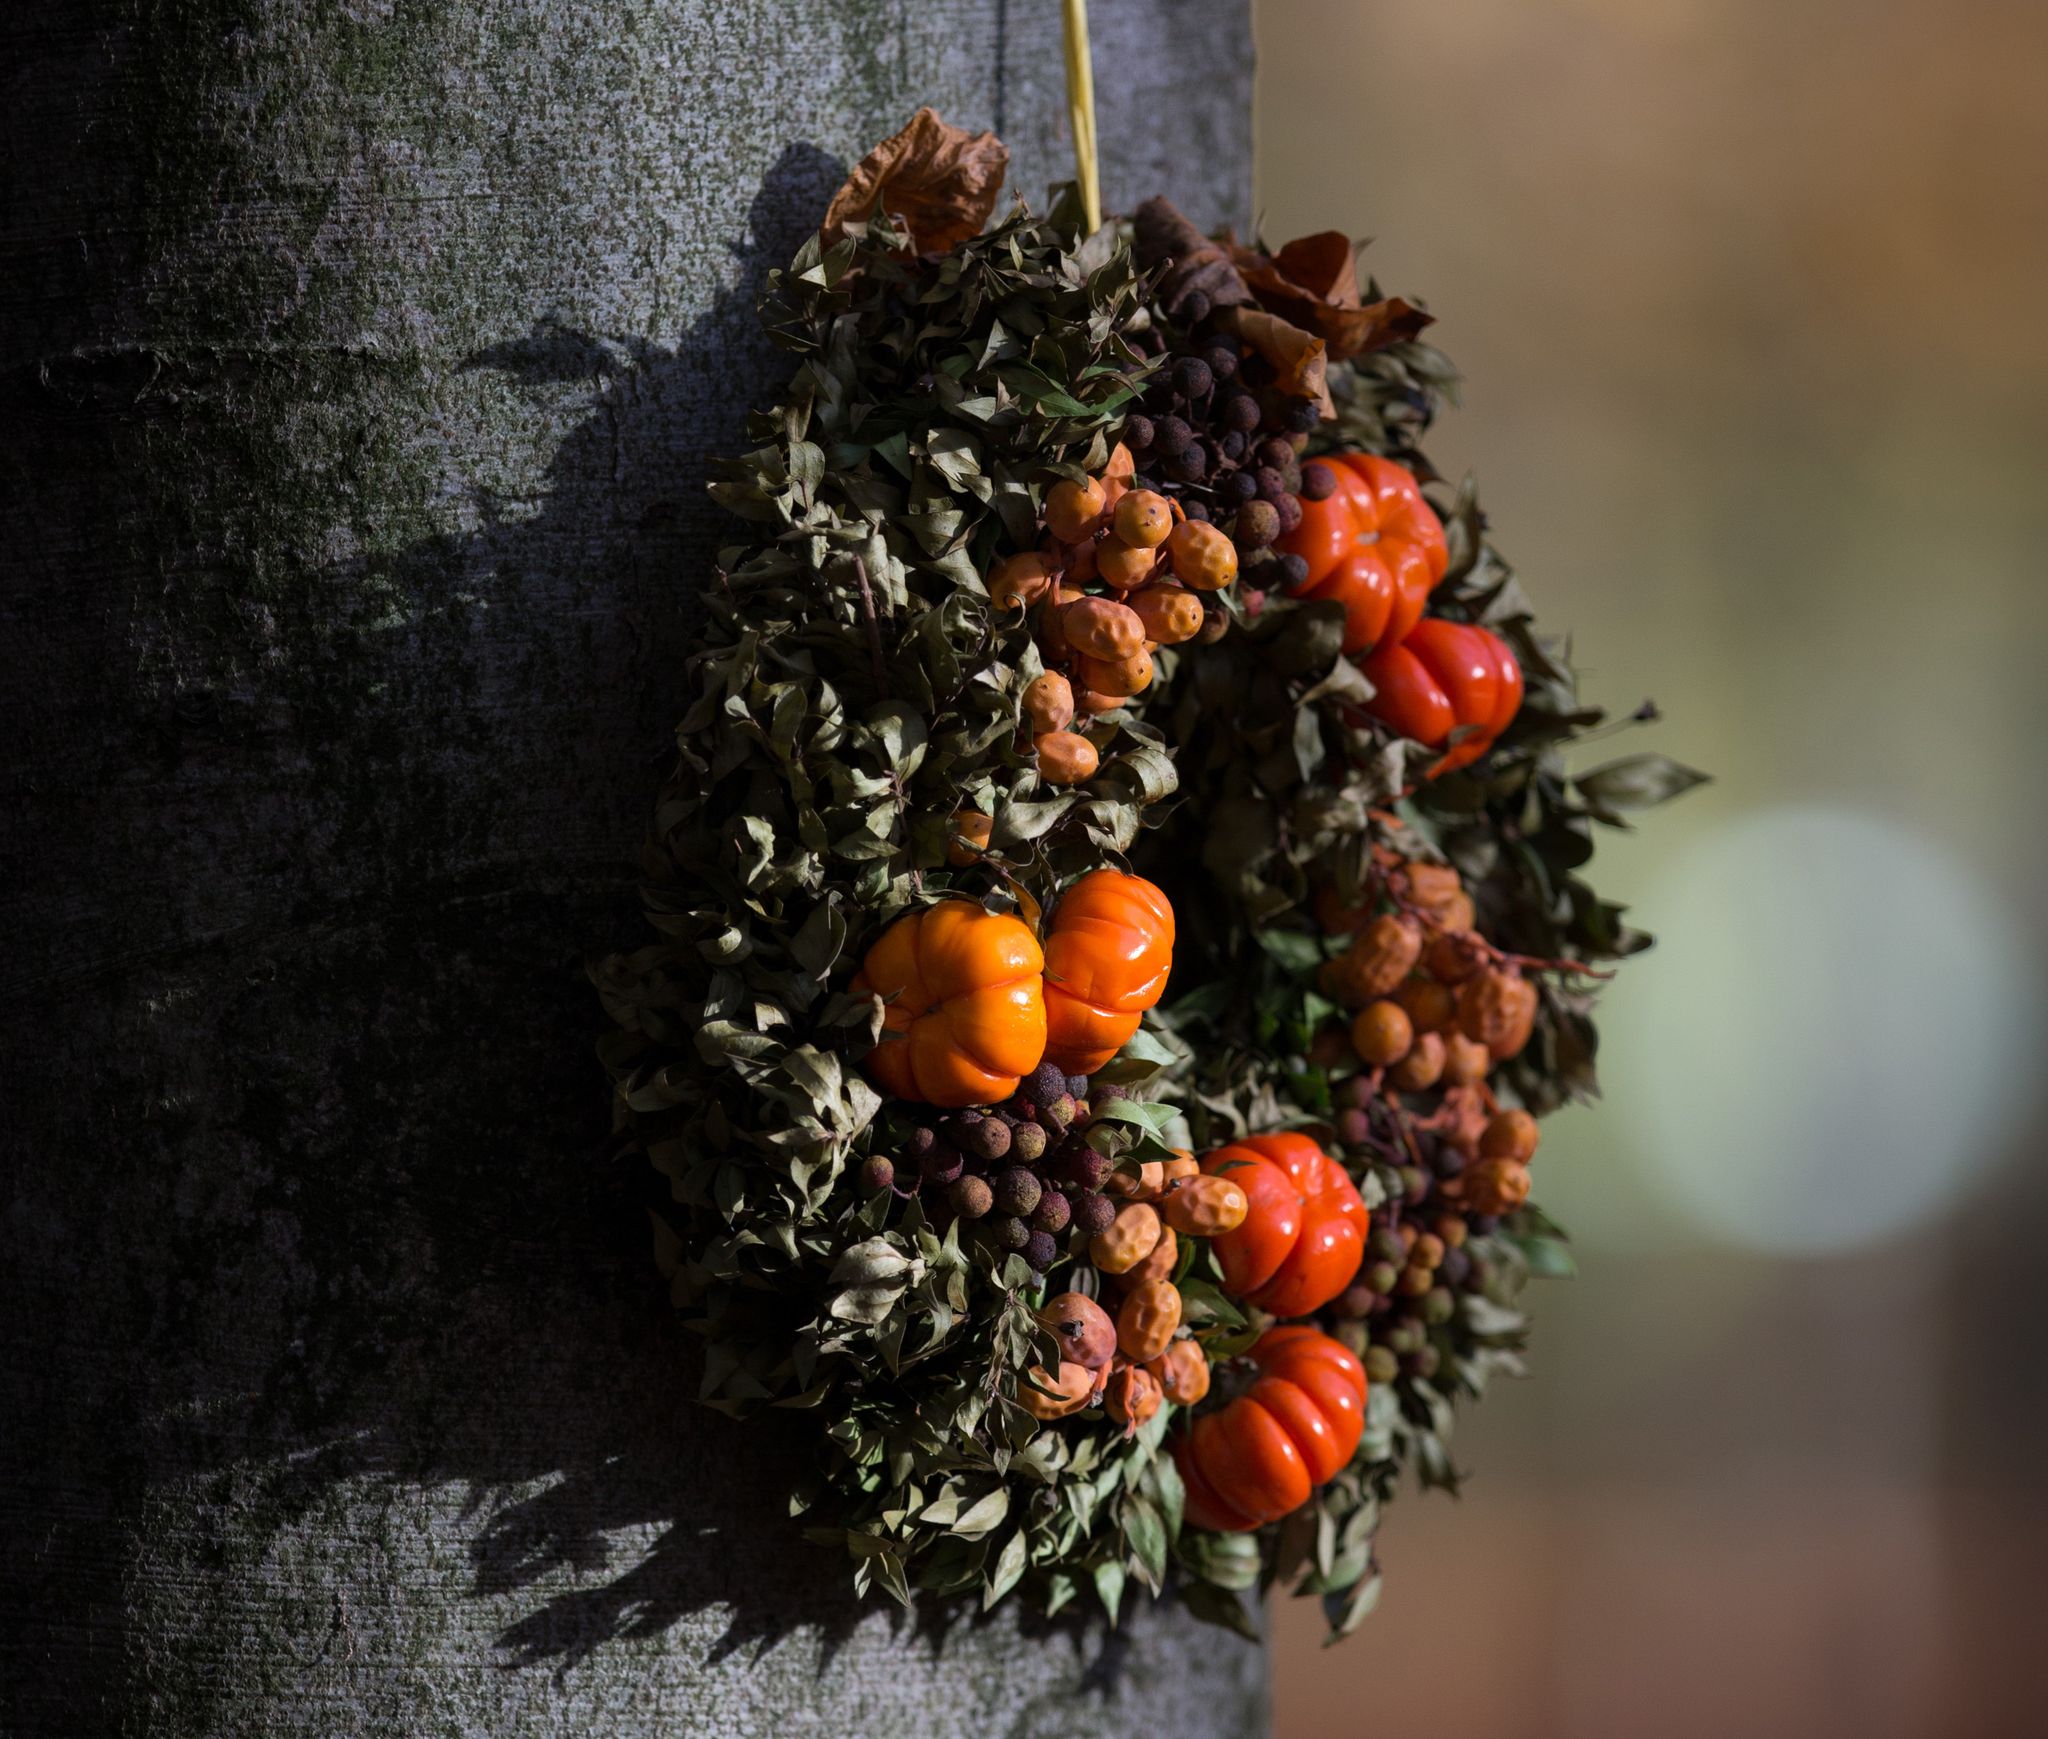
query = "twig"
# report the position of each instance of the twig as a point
(867, 610)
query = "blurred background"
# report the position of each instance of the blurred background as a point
(1750, 298)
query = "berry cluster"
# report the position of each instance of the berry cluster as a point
(1029, 1174)
(1218, 436)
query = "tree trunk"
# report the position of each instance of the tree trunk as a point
(361, 362)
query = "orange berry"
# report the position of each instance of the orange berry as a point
(1122, 676)
(1206, 1207)
(975, 828)
(1102, 628)
(1511, 1135)
(1382, 1033)
(1094, 704)
(1143, 519)
(1499, 1010)
(1132, 1397)
(1170, 613)
(1071, 509)
(1019, 579)
(1049, 702)
(1422, 1067)
(1183, 1372)
(1202, 556)
(1123, 565)
(1430, 1005)
(1065, 758)
(1128, 1241)
(1148, 1320)
(1465, 1060)
(1159, 1265)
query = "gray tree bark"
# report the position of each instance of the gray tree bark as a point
(361, 359)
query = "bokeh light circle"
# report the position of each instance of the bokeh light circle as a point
(1831, 1043)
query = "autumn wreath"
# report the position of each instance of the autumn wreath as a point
(1117, 907)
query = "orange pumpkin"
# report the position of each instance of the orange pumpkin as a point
(1444, 675)
(965, 1020)
(1107, 957)
(1303, 1236)
(1258, 1459)
(1374, 545)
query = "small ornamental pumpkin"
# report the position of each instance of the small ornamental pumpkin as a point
(1260, 1457)
(965, 1016)
(1373, 544)
(1303, 1234)
(1443, 676)
(1107, 957)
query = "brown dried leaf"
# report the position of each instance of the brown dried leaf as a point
(1313, 283)
(1300, 359)
(939, 182)
(1194, 262)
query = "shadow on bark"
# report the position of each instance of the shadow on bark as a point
(433, 1281)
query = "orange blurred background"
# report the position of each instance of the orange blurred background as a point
(1750, 300)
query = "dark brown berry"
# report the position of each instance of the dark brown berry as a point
(1094, 1213)
(1270, 484)
(945, 1164)
(1028, 1142)
(1137, 433)
(920, 1146)
(1237, 486)
(1190, 464)
(1009, 1231)
(1354, 1128)
(877, 1174)
(1294, 571)
(971, 1197)
(1257, 524)
(1193, 308)
(1273, 453)
(1191, 377)
(1017, 1190)
(1083, 1166)
(1052, 1213)
(1318, 481)
(1170, 435)
(1289, 509)
(988, 1140)
(1222, 361)
(1057, 1113)
(1356, 1302)
(1301, 415)
(1232, 445)
(1195, 510)
(1040, 1250)
(1240, 413)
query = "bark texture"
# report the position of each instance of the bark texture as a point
(360, 362)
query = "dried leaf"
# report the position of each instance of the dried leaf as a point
(1299, 358)
(1313, 283)
(939, 181)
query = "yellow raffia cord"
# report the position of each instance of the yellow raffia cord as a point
(1081, 110)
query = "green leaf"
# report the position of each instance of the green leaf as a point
(1636, 782)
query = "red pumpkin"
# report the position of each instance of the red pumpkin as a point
(1303, 1235)
(1107, 957)
(1443, 676)
(1258, 1459)
(1373, 544)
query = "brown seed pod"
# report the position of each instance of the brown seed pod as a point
(1384, 954)
(1072, 509)
(1183, 1372)
(1083, 1329)
(1203, 556)
(1453, 957)
(1133, 1396)
(975, 828)
(1071, 1388)
(1431, 889)
(1511, 1135)
(1433, 1007)
(1122, 676)
(1147, 1321)
(1382, 1033)
(1144, 1187)
(1171, 613)
(1143, 519)
(1205, 1207)
(1159, 1265)
(1123, 566)
(1498, 1008)
(1049, 703)
(1495, 1186)
(1422, 1067)
(1464, 1118)
(1102, 628)
(1019, 579)
(1128, 1241)
(1064, 758)
(1465, 1060)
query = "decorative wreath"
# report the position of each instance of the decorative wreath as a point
(1118, 907)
